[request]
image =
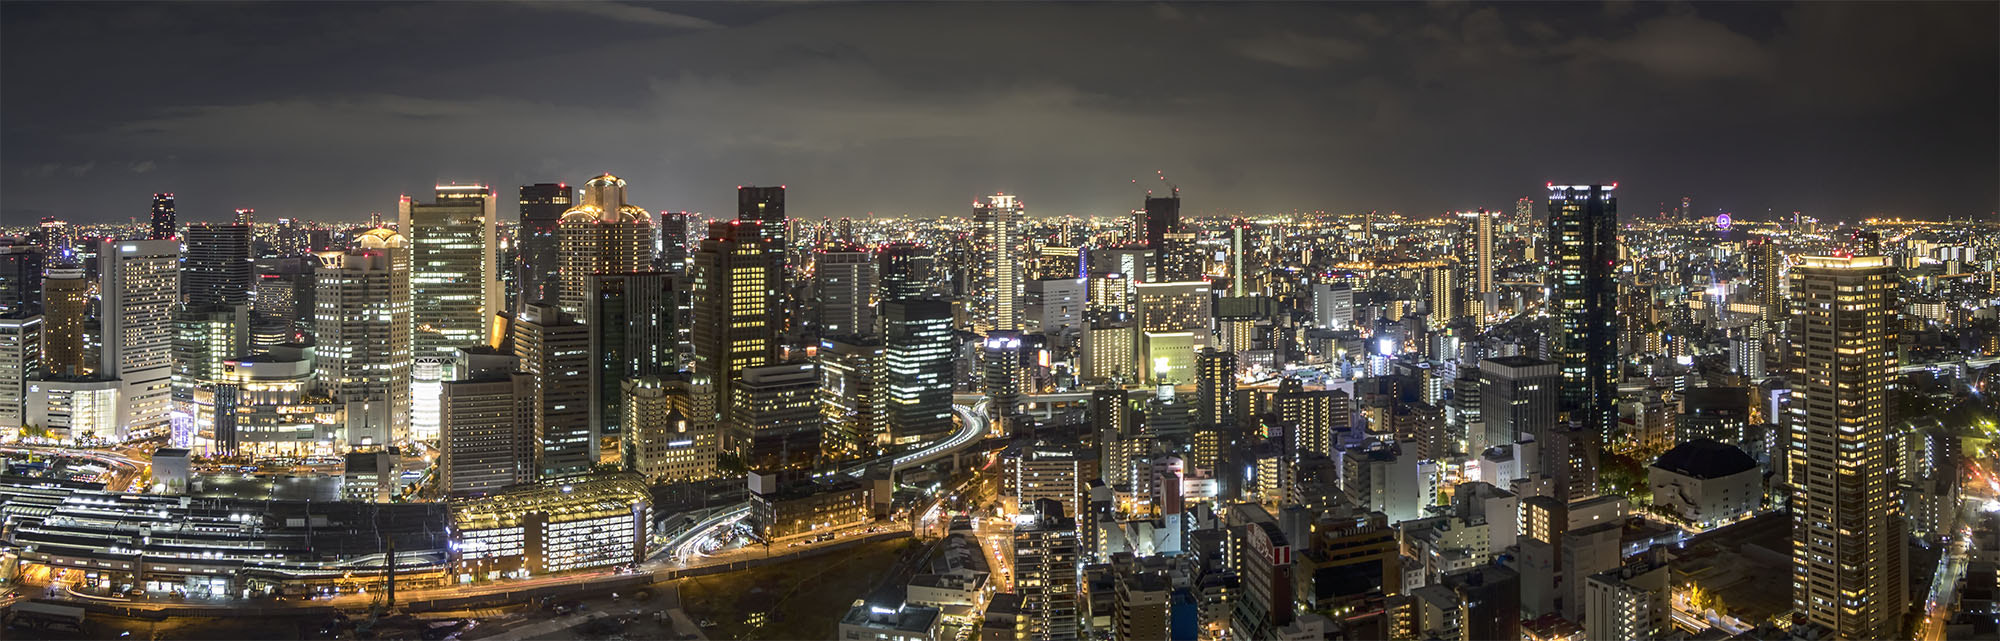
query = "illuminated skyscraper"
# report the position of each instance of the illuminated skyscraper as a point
(542, 207)
(601, 235)
(674, 241)
(736, 278)
(1583, 267)
(21, 268)
(362, 327)
(1848, 545)
(487, 441)
(66, 300)
(163, 218)
(844, 290)
(139, 280)
(454, 284)
(1215, 388)
(218, 268)
(1446, 304)
(1239, 259)
(1482, 230)
(1046, 555)
(917, 371)
(905, 271)
(20, 362)
(766, 206)
(454, 287)
(1767, 263)
(634, 332)
(851, 394)
(1001, 360)
(995, 228)
(555, 349)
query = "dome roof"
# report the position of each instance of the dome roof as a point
(381, 237)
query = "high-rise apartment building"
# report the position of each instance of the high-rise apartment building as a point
(601, 235)
(736, 279)
(1848, 571)
(542, 207)
(1767, 264)
(1446, 302)
(661, 441)
(1583, 262)
(163, 218)
(844, 290)
(66, 301)
(362, 327)
(996, 224)
(917, 369)
(1215, 388)
(1046, 555)
(139, 280)
(1000, 359)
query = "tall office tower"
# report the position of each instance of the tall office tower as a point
(736, 318)
(662, 443)
(996, 223)
(917, 369)
(1445, 302)
(139, 279)
(1524, 213)
(1239, 258)
(1046, 555)
(163, 218)
(844, 289)
(905, 271)
(246, 216)
(1518, 396)
(775, 417)
(20, 362)
(555, 349)
(1767, 264)
(1001, 360)
(1215, 388)
(766, 206)
(21, 269)
(1583, 247)
(362, 327)
(1482, 230)
(542, 207)
(205, 337)
(601, 235)
(66, 301)
(1162, 217)
(488, 438)
(1333, 305)
(1180, 258)
(851, 395)
(674, 241)
(218, 267)
(454, 278)
(1847, 532)
(634, 332)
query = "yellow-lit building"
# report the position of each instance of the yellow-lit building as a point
(556, 526)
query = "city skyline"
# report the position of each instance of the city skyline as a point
(1417, 109)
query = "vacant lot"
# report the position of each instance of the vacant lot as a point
(803, 599)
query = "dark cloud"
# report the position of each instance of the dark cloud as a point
(331, 110)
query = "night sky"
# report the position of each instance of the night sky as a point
(329, 111)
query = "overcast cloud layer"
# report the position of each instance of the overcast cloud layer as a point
(329, 111)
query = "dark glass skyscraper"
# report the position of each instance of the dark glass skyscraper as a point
(542, 207)
(918, 368)
(905, 271)
(20, 277)
(163, 217)
(1583, 264)
(673, 253)
(765, 205)
(217, 267)
(633, 334)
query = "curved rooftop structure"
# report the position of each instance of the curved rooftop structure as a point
(603, 200)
